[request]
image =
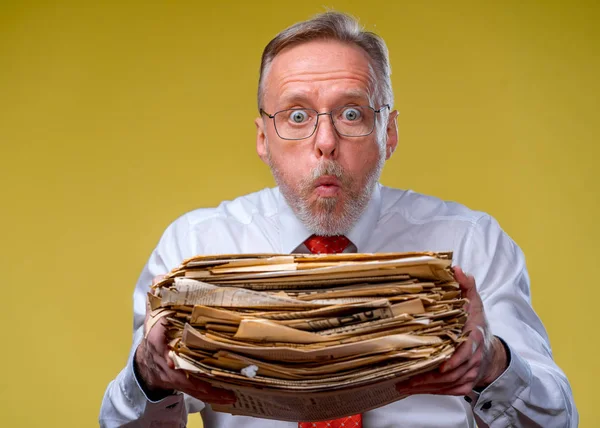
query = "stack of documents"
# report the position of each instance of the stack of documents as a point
(310, 337)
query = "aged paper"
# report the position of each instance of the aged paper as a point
(310, 337)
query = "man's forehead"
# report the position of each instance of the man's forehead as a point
(321, 52)
(304, 69)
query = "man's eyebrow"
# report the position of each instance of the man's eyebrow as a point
(305, 99)
(355, 93)
(295, 97)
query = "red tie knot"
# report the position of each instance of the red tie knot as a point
(327, 244)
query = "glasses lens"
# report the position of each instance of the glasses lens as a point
(295, 124)
(354, 121)
(350, 121)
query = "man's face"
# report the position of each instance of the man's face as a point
(327, 179)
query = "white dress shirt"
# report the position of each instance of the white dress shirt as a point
(532, 392)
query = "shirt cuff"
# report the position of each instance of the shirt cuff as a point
(494, 401)
(170, 408)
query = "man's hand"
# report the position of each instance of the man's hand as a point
(156, 371)
(476, 363)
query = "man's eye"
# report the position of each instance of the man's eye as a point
(351, 114)
(298, 116)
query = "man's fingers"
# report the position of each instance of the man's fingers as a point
(170, 363)
(148, 310)
(463, 386)
(458, 375)
(191, 385)
(466, 282)
(464, 352)
(155, 331)
(158, 278)
(452, 383)
(155, 280)
(449, 376)
(460, 274)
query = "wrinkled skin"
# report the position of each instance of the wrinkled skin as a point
(323, 75)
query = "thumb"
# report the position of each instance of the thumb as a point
(158, 278)
(466, 282)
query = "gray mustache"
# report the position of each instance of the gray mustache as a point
(328, 168)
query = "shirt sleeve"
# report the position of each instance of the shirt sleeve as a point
(533, 390)
(124, 403)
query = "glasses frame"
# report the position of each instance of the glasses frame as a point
(272, 116)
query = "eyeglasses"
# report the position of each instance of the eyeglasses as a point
(301, 123)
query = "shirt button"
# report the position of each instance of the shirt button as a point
(486, 405)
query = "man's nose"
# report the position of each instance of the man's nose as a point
(326, 137)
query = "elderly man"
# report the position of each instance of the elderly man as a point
(326, 128)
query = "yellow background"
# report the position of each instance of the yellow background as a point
(117, 117)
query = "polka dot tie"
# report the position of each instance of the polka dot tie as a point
(328, 245)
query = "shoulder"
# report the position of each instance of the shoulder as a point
(418, 208)
(430, 222)
(240, 210)
(479, 244)
(224, 228)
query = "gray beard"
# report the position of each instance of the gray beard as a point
(320, 216)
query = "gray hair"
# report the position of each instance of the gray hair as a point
(341, 27)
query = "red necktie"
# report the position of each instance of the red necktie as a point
(327, 245)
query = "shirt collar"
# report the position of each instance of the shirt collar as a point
(293, 233)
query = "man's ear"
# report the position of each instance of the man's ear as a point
(261, 139)
(392, 134)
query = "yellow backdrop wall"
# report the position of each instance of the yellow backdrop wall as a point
(117, 117)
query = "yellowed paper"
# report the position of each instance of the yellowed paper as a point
(283, 330)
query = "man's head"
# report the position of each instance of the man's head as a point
(340, 27)
(322, 65)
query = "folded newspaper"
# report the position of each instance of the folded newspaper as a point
(310, 337)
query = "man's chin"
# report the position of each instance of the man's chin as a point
(326, 205)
